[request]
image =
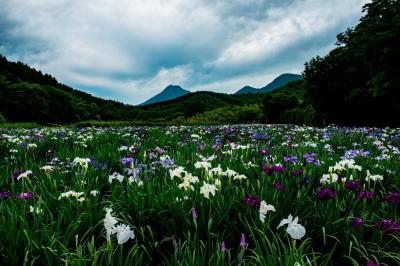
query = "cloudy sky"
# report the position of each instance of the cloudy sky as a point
(129, 50)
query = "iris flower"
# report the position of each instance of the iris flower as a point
(294, 229)
(206, 189)
(264, 209)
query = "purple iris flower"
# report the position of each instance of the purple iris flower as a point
(253, 201)
(350, 154)
(356, 222)
(16, 173)
(27, 195)
(393, 197)
(159, 150)
(297, 172)
(352, 185)
(194, 213)
(277, 185)
(292, 159)
(127, 160)
(243, 243)
(267, 170)
(223, 246)
(264, 152)
(134, 150)
(388, 226)
(309, 158)
(326, 194)
(5, 195)
(278, 168)
(365, 195)
(201, 147)
(366, 153)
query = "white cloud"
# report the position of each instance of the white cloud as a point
(131, 49)
(284, 27)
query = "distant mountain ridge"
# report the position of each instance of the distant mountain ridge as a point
(169, 93)
(49, 101)
(174, 91)
(278, 82)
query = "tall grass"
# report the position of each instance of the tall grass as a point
(68, 231)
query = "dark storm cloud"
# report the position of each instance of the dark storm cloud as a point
(130, 50)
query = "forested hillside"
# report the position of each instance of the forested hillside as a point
(358, 83)
(28, 95)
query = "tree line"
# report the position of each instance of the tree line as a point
(357, 83)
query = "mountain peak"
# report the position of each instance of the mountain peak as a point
(247, 89)
(170, 92)
(278, 82)
(171, 88)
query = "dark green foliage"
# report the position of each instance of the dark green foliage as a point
(2, 118)
(194, 103)
(27, 95)
(289, 104)
(358, 82)
(228, 114)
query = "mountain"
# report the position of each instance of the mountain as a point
(169, 93)
(174, 91)
(247, 89)
(278, 82)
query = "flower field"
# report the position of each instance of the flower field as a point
(250, 195)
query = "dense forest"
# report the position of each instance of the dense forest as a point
(28, 95)
(357, 83)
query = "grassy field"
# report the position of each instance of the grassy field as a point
(249, 195)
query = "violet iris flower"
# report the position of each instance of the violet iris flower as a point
(326, 194)
(267, 170)
(292, 159)
(277, 185)
(194, 213)
(393, 197)
(17, 173)
(243, 243)
(297, 172)
(27, 195)
(253, 201)
(127, 160)
(223, 246)
(356, 222)
(5, 195)
(365, 195)
(278, 168)
(388, 226)
(352, 185)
